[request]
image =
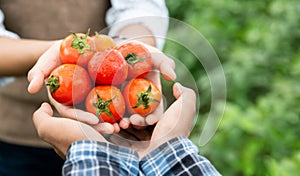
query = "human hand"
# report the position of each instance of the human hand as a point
(181, 114)
(164, 65)
(50, 59)
(43, 67)
(176, 121)
(83, 116)
(62, 132)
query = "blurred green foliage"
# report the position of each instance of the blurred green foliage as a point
(258, 43)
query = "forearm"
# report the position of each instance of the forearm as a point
(17, 56)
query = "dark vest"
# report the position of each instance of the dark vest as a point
(45, 20)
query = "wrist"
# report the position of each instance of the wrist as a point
(137, 32)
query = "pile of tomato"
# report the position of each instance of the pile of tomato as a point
(109, 80)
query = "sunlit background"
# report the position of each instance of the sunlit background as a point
(258, 43)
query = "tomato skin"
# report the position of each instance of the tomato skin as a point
(103, 42)
(73, 84)
(140, 68)
(131, 93)
(70, 55)
(116, 106)
(108, 68)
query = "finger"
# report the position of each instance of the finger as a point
(72, 113)
(41, 114)
(124, 123)
(116, 127)
(104, 128)
(82, 116)
(183, 109)
(154, 76)
(165, 65)
(152, 119)
(36, 81)
(187, 94)
(45, 64)
(137, 120)
(61, 132)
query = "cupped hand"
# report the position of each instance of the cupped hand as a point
(62, 132)
(162, 65)
(84, 117)
(177, 120)
(50, 60)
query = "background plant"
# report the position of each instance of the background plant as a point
(258, 43)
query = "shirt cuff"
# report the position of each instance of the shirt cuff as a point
(5, 80)
(3, 31)
(87, 156)
(165, 156)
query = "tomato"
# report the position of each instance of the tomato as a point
(141, 96)
(103, 42)
(77, 48)
(108, 67)
(106, 102)
(138, 58)
(69, 84)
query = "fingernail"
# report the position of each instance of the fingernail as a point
(172, 73)
(179, 87)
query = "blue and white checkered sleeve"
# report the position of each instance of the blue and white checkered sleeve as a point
(97, 158)
(178, 156)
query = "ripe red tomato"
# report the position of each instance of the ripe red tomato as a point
(138, 58)
(141, 96)
(77, 48)
(69, 84)
(106, 102)
(108, 68)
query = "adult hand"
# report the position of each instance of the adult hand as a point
(62, 132)
(176, 121)
(83, 116)
(50, 60)
(178, 118)
(164, 65)
(43, 67)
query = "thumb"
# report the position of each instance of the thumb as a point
(43, 67)
(42, 115)
(182, 111)
(36, 81)
(186, 95)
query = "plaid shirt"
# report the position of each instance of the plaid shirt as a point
(178, 156)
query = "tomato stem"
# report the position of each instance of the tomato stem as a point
(133, 58)
(80, 43)
(53, 83)
(145, 99)
(102, 107)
